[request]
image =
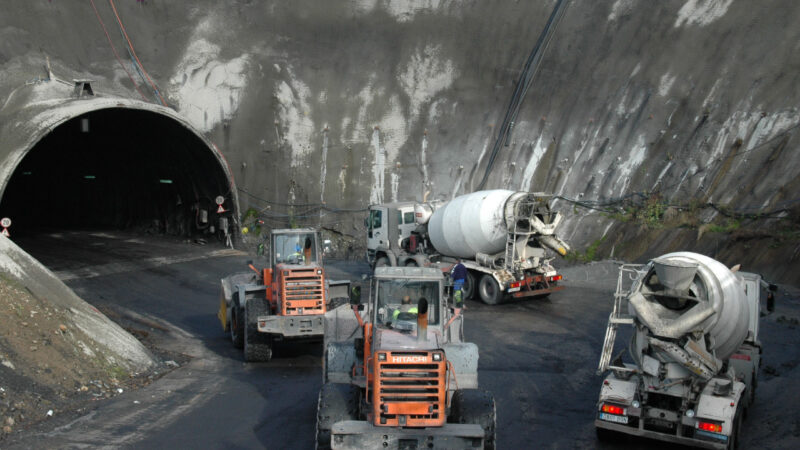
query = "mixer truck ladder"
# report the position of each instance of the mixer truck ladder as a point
(627, 273)
(511, 249)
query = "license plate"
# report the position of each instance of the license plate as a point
(516, 289)
(614, 418)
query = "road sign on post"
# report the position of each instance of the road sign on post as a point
(5, 222)
(220, 200)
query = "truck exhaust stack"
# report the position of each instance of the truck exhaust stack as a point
(422, 320)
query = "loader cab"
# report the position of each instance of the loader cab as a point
(397, 303)
(296, 247)
(391, 317)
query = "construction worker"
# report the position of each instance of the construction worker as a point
(297, 255)
(406, 306)
(458, 273)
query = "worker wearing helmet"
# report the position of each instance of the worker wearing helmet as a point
(297, 255)
(406, 306)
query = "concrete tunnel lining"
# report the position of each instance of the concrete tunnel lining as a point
(30, 128)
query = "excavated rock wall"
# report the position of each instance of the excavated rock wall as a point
(347, 102)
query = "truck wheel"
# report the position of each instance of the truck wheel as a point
(337, 402)
(608, 436)
(382, 262)
(237, 326)
(468, 289)
(476, 406)
(257, 346)
(733, 439)
(489, 290)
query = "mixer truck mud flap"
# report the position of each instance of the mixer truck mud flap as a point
(292, 326)
(357, 435)
(535, 286)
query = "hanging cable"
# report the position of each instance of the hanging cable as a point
(526, 78)
(130, 45)
(113, 49)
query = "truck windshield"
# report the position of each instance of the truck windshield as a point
(295, 248)
(398, 300)
(375, 219)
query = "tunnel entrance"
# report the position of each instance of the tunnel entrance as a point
(121, 168)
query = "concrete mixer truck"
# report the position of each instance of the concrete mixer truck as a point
(694, 352)
(501, 236)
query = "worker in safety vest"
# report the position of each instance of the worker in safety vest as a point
(406, 306)
(297, 256)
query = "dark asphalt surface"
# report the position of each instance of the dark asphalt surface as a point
(538, 357)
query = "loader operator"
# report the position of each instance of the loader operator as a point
(406, 306)
(297, 256)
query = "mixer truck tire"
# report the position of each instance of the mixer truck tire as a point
(489, 290)
(257, 346)
(468, 289)
(336, 402)
(237, 326)
(382, 262)
(609, 437)
(471, 406)
(733, 439)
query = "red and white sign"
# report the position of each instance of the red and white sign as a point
(5, 222)
(219, 200)
(221, 210)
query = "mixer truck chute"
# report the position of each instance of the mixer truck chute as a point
(502, 237)
(694, 352)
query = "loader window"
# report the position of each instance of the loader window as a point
(408, 217)
(295, 248)
(390, 300)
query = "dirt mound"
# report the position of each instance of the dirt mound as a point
(47, 363)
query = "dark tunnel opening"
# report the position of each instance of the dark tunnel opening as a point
(121, 169)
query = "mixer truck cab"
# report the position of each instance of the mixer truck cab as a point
(396, 377)
(504, 239)
(694, 352)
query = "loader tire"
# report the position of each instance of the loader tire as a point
(237, 325)
(337, 402)
(257, 346)
(489, 290)
(476, 406)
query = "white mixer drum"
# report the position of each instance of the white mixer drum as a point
(726, 327)
(470, 224)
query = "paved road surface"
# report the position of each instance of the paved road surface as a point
(538, 357)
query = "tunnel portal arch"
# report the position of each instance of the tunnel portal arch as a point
(118, 163)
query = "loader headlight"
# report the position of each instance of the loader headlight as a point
(319, 271)
(690, 413)
(636, 404)
(437, 356)
(381, 356)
